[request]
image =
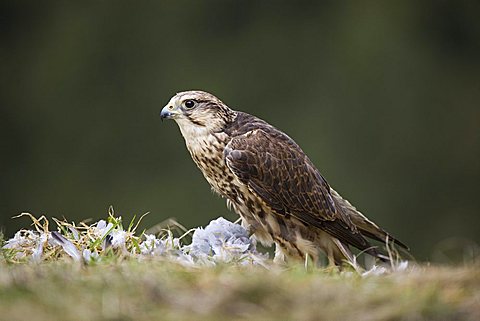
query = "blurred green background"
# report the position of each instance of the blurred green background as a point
(383, 96)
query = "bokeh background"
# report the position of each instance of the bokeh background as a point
(383, 96)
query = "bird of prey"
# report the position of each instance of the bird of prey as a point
(270, 182)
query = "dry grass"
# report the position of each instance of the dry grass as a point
(156, 289)
(44, 277)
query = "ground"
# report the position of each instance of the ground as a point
(157, 289)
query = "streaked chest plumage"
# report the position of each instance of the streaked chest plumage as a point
(207, 153)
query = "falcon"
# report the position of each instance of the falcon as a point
(270, 182)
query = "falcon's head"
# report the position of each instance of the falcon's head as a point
(197, 112)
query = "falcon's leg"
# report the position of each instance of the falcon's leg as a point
(331, 260)
(279, 255)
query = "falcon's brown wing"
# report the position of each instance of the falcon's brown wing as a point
(279, 172)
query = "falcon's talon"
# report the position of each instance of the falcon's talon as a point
(264, 175)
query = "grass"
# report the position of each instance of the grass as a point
(45, 277)
(157, 289)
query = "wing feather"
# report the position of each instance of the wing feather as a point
(275, 168)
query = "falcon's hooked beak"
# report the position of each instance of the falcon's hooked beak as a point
(168, 112)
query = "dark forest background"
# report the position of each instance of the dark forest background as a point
(383, 96)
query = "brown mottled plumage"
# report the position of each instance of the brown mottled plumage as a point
(270, 182)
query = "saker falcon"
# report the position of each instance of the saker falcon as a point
(270, 182)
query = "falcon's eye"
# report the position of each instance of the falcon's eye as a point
(189, 104)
